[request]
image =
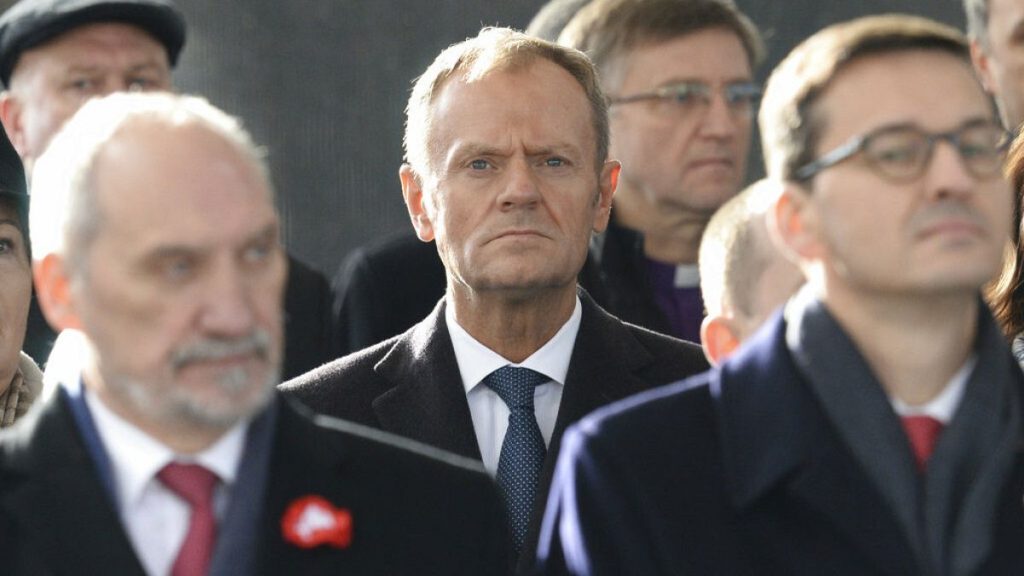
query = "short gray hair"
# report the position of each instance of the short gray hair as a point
(494, 50)
(977, 20)
(64, 216)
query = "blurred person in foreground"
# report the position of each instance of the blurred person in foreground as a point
(156, 237)
(877, 423)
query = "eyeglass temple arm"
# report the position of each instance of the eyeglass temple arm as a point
(835, 156)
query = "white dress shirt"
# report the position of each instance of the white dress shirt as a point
(943, 406)
(489, 412)
(155, 518)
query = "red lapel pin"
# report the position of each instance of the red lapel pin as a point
(312, 521)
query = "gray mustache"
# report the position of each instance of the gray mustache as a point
(257, 343)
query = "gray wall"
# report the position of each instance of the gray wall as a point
(322, 84)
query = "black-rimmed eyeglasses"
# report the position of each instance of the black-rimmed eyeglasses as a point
(902, 152)
(690, 96)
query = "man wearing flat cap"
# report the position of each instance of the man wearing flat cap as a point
(57, 54)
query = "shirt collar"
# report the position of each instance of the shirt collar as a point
(476, 361)
(943, 406)
(136, 457)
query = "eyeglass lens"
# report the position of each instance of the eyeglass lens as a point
(903, 152)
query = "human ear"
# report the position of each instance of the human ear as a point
(54, 292)
(412, 192)
(719, 338)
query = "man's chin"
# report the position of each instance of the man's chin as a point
(236, 396)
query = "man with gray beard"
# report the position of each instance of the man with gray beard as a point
(157, 239)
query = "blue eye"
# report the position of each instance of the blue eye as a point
(479, 164)
(555, 162)
(257, 253)
(178, 269)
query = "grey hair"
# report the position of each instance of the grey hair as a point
(977, 20)
(495, 50)
(64, 215)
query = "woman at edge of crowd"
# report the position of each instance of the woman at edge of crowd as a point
(21, 381)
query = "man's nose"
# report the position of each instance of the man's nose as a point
(227, 303)
(720, 119)
(947, 174)
(521, 186)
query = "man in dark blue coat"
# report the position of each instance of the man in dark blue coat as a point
(875, 426)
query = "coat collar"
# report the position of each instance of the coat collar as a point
(777, 443)
(421, 364)
(426, 402)
(53, 486)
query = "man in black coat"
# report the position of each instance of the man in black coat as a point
(170, 452)
(508, 172)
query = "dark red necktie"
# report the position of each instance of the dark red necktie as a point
(195, 485)
(923, 432)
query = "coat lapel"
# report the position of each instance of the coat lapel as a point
(55, 497)
(427, 402)
(606, 359)
(777, 445)
(299, 465)
(604, 365)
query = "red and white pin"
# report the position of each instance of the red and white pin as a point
(312, 521)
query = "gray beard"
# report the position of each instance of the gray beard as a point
(237, 398)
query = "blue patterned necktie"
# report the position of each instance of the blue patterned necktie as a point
(523, 450)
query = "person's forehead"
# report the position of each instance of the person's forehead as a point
(8, 210)
(463, 107)
(706, 53)
(998, 10)
(150, 165)
(933, 89)
(79, 43)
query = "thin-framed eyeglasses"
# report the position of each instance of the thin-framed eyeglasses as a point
(691, 96)
(902, 152)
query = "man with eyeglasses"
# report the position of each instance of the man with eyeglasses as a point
(679, 78)
(874, 426)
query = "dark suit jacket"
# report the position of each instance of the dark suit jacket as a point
(410, 385)
(381, 290)
(621, 271)
(308, 327)
(734, 472)
(415, 510)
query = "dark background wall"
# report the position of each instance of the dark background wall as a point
(323, 83)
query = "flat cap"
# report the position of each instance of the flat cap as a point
(30, 23)
(13, 184)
